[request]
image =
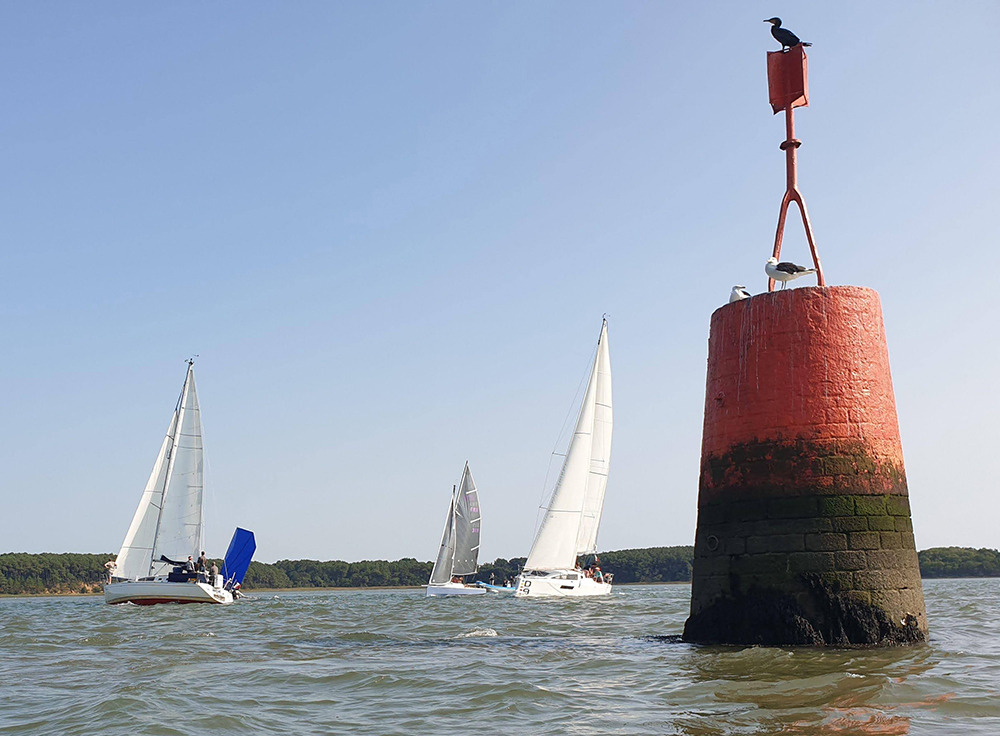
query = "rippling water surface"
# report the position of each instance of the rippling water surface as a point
(394, 662)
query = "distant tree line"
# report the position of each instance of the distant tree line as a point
(959, 562)
(337, 574)
(84, 573)
(48, 572)
(650, 565)
(654, 565)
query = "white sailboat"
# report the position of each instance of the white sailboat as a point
(573, 515)
(167, 526)
(459, 552)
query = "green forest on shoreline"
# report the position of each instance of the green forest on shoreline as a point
(69, 573)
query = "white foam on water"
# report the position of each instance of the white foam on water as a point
(477, 633)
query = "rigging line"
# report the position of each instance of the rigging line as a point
(548, 469)
(583, 379)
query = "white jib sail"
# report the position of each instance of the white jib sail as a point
(446, 554)
(179, 532)
(579, 492)
(137, 549)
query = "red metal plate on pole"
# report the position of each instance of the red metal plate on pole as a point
(788, 78)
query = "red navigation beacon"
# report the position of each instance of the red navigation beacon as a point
(788, 88)
(788, 78)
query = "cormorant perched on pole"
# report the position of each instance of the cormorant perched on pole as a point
(785, 37)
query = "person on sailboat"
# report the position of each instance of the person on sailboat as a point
(189, 565)
(110, 566)
(213, 573)
(202, 562)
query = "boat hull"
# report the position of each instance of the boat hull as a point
(151, 592)
(559, 584)
(443, 589)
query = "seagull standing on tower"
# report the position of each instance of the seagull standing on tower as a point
(738, 294)
(785, 271)
(785, 37)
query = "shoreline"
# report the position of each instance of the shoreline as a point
(252, 591)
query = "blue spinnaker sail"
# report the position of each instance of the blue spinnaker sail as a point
(238, 557)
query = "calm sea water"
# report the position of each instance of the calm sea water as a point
(394, 662)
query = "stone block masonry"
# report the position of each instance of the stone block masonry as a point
(804, 533)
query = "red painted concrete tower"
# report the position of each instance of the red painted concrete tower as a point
(804, 532)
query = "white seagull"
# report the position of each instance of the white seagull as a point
(738, 293)
(785, 271)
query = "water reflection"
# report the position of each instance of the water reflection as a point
(806, 691)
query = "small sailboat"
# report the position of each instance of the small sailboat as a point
(167, 528)
(573, 515)
(459, 553)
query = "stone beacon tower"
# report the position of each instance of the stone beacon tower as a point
(804, 533)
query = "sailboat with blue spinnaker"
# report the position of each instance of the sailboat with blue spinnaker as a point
(167, 529)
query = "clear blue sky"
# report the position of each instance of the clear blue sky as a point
(390, 230)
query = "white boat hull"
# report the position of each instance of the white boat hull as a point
(453, 589)
(150, 592)
(558, 583)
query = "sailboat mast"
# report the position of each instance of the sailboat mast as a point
(170, 463)
(454, 530)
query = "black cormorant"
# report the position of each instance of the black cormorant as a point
(785, 37)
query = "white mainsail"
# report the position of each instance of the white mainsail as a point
(600, 452)
(168, 520)
(459, 552)
(573, 516)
